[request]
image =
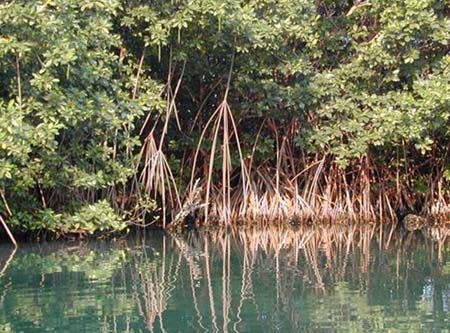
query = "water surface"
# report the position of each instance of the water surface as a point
(321, 279)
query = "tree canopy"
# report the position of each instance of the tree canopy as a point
(280, 108)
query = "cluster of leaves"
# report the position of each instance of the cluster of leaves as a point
(88, 219)
(391, 85)
(67, 113)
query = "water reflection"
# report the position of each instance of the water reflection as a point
(312, 279)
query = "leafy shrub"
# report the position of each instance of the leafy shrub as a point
(67, 114)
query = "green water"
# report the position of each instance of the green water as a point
(310, 280)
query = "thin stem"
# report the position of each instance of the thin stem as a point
(10, 235)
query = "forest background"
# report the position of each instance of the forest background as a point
(119, 112)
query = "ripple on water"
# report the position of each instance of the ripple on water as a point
(246, 282)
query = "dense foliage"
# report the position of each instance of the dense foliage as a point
(280, 108)
(67, 114)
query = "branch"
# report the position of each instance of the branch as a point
(358, 5)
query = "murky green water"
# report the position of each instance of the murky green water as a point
(311, 280)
